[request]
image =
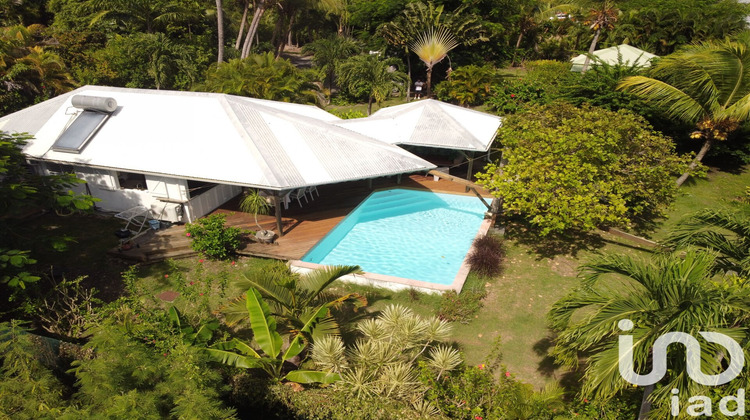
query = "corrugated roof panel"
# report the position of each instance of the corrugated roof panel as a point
(429, 123)
(218, 138)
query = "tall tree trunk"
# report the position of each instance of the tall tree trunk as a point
(220, 30)
(253, 29)
(592, 47)
(645, 403)
(518, 45)
(287, 36)
(408, 66)
(698, 158)
(369, 106)
(238, 42)
(429, 83)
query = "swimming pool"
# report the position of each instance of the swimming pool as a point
(403, 233)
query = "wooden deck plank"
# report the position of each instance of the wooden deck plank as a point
(303, 226)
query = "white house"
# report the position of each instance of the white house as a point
(182, 154)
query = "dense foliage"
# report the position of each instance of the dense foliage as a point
(583, 168)
(211, 236)
(23, 192)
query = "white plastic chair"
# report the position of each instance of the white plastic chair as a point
(298, 194)
(311, 190)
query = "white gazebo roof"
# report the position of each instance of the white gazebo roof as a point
(214, 137)
(630, 56)
(429, 123)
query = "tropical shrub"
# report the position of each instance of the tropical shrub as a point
(142, 369)
(263, 76)
(571, 169)
(514, 95)
(349, 114)
(383, 362)
(487, 255)
(478, 392)
(468, 85)
(461, 307)
(212, 237)
(28, 388)
(272, 355)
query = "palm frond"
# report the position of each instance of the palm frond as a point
(677, 104)
(433, 45)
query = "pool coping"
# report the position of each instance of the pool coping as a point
(401, 283)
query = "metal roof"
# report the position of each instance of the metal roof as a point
(429, 123)
(630, 56)
(215, 137)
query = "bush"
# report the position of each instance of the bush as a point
(512, 96)
(487, 256)
(468, 85)
(479, 392)
(461, 307)
(211, 237)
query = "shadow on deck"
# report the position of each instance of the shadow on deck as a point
(303, 226)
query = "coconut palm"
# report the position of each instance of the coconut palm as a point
(432, 46)
(705, 85)
(601, 15)
(373, 76)
(669, 293)
(724, 232)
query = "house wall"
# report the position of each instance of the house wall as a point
(209, 200)
(164, 196)
(168, 198)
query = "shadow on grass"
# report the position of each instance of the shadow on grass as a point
(569, 380)
(553, 245)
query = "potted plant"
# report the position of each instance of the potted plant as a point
(256, 204)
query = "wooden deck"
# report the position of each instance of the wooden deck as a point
(303, 226)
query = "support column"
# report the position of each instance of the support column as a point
(470, 157)
(369, 183)
(277, 206)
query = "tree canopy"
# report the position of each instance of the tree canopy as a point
(573, 168)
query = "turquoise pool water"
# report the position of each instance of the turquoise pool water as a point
(416, 235)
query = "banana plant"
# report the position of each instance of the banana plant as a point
(197, 337)
(295, 300)
(271, 354)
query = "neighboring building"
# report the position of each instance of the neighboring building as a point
(621, 54)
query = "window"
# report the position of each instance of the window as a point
(131, 181)
(80, 131)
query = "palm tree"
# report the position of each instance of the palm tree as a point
(705, 85)
(432, 47)
(370, 74)
(263, 76)
(724, 232)
(601, 15)
(294, 299)
(669, 293)
(220, 31)
(256, 204)
(418, 17)
(329, 52)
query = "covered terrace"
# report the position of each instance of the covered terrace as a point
(302, 226)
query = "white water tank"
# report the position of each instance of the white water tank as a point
(94, 103)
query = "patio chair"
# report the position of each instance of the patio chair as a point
(298, 194)
(311, 190)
